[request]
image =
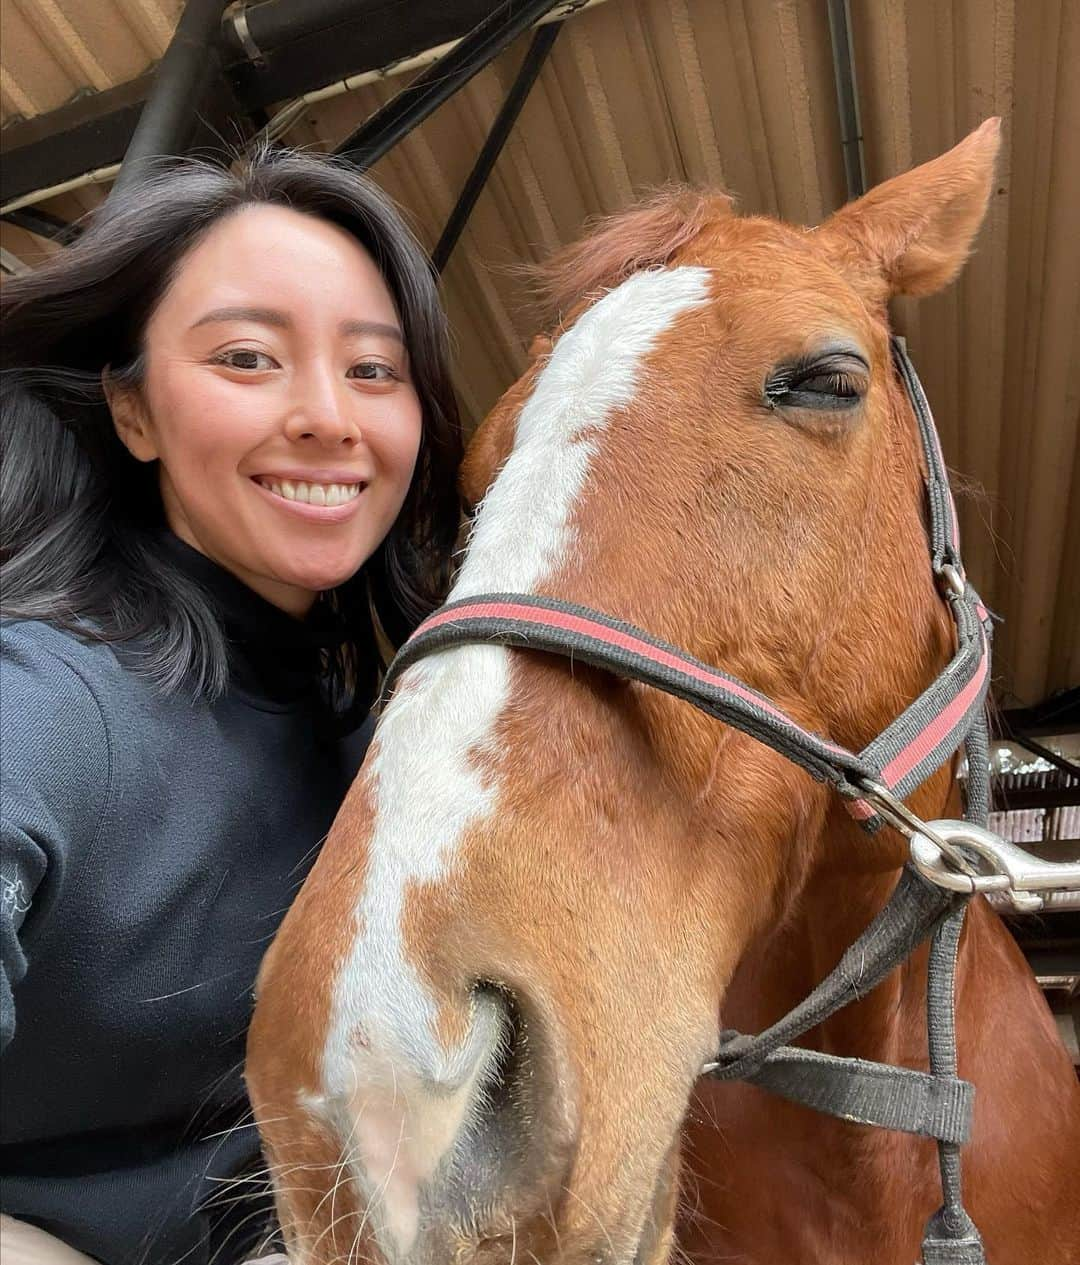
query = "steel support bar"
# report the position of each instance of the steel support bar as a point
(252, 30)
(42, 224)
(1051, 962)
(58, 148)
(82, 142)
(537, 54)
(847, 97)
(169, 118)
(1006, 800)
(395, 120)
(1044, 753)
(1059, 714)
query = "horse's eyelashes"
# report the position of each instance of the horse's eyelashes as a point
(832, 384)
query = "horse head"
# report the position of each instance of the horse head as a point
(481, 1023)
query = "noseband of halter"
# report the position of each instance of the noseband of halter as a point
(873, 782)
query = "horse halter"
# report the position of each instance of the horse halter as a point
(950, 860)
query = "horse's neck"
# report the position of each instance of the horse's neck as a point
(1027, 1115)
(889, 1024)
(788, 960)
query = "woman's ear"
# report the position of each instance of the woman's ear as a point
(912, 234)
(130, 417)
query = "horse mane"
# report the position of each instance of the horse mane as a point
(645, 235)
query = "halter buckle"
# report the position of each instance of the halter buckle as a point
(953, 578)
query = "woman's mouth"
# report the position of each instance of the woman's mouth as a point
(323, 494)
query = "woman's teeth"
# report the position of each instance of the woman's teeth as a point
(313, 493)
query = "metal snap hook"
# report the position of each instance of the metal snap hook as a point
(1015, 872)
(898, 815)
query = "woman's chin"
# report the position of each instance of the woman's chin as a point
(316, 580)
(289, 573)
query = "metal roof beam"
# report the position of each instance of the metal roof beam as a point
(1014, 799)
(88, 133)
(378, 134)
(1058, 714)
(1044, 753)
(300, 47)
(168, 121)
(81, 142)
(504, 122)
(42, 224)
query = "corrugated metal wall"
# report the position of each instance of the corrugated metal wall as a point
(741, 93)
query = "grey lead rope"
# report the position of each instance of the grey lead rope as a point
(951, 1237)
(977, 751)
(937, 1104)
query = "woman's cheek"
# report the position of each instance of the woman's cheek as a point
(406, 438)
(208, 411)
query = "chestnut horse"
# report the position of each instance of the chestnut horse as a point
(480, 1028)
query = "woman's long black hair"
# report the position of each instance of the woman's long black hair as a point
(82, 519)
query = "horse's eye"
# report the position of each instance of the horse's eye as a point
(833, 383)
(838, 384)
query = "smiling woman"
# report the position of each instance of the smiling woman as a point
(230, 448)
(291, 391)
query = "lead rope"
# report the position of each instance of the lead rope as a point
(951, 1237)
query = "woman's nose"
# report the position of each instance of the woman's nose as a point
(322, 410)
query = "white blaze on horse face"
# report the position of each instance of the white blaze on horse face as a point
(396, 1096)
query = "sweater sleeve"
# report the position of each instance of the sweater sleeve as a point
(54, 784)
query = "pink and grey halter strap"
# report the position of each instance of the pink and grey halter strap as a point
(920, 740)
(949, 712)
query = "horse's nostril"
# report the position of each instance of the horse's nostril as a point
(495, 1136)
(501, 1072)
(514, 1138)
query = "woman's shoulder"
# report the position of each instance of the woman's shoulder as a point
(43, 660)
(55, 691)
(56, 688)
(74, 692)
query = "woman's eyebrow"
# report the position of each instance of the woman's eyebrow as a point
(282, 320)
(262, 315)
(372, 327)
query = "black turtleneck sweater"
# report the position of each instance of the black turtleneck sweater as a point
(151, 845)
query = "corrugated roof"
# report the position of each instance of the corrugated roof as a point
(53, 49)
(638, 93)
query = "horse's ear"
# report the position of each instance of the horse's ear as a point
(487, 453)
(913, 233)
(494, 437)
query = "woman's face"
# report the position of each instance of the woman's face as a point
(278, 401)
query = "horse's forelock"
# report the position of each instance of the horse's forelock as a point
(647, 236)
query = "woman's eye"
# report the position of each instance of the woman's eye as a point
(245, 358)
(372, 371)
